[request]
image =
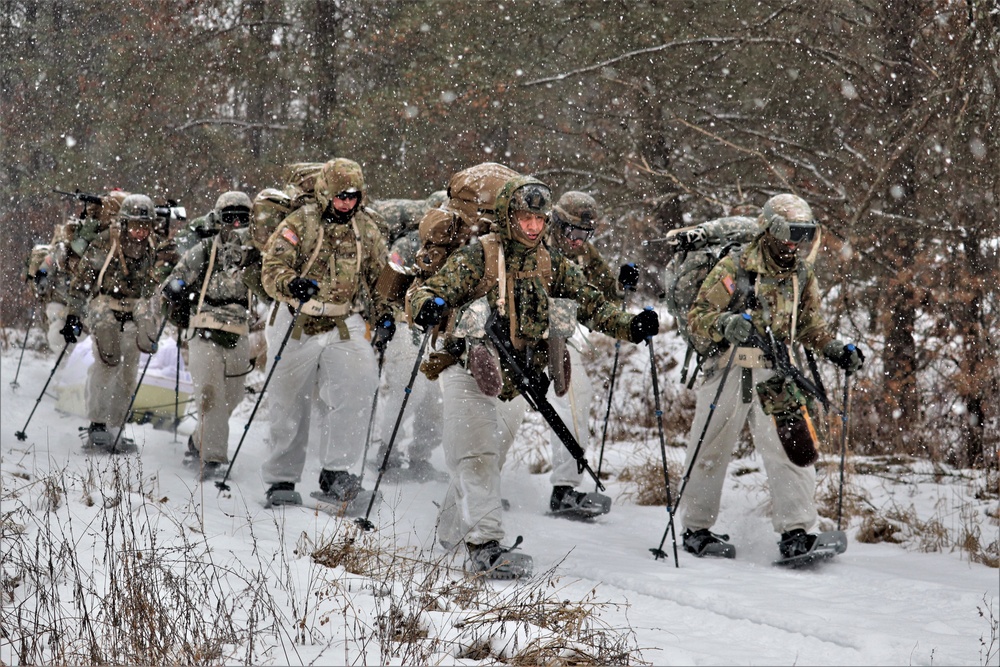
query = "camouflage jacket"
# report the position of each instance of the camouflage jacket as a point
(292, 253)
(226, 298)
(775, 296)
(457, 280)
(190, 234)
(127, 268)
(70, 241)
(596, 271)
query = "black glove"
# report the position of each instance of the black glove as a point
(303, 289)
(848, 356)
(41, 275)
(735, 327)
(72, 329)
(430, 313)
(383, 333)
(690, 239)
(628, 276)
(644, 325)
(176, 291)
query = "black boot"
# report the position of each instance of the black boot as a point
(703, 542)
(795, 543)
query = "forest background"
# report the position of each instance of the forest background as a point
(883, 114)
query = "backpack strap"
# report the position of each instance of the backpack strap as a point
(493, 266)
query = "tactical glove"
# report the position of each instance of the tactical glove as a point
(690, 239)
(383, 333)
(175, 291)
(430, 313)
(72, 329)
(734, 327)
(628, 276)
(41, 276)
(644, 325)
(303, 289)
(848, 356)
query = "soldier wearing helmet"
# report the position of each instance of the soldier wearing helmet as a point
(231, 208)
(532, 290)
(573, 222)
(320, 266)
(766, 286)
(207, 295)
(112, 284)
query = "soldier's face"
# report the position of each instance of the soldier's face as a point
(530, 224)
(345, 201)
(138, 232)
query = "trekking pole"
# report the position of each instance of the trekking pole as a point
(629, 281)
(843, 443)
(363, 521)
(371, 417)
(24, 344)
(221, 484)
(658, 552)
(177, 384)
(138, 385)
(21, 435)
(663, 448)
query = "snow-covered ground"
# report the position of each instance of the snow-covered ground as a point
(73, 525)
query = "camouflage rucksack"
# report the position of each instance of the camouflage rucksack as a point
(687, 269)
(272, 205)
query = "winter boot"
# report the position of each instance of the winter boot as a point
(212, 470)
(422, 471)
(192, 456)
(282, 493)
(339, 485)
(796, 543)
(703, 542)
(98, 436)
(571, 504)
(497, 562)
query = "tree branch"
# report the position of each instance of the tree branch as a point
(229, 121)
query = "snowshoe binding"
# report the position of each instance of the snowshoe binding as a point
(97, 438)
(571, 504)
(282, 493)
(339, 487)
(496, 562)
(703, 542)
(801, 549)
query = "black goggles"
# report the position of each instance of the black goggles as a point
(347, 196)
(574, 233)
(237, 218)
(801, 232)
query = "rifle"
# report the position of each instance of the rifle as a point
(533, 388)
(85, 197)
(776, 352)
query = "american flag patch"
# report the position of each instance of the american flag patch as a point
(290, 236)
(727, 282)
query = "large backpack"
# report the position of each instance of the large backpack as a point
(272, 205)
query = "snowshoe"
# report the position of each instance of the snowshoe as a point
(417, 471)
(497, 562)
(568, 503)
(801, 549)
(97, 438)
(212, 470)
(343, 488)
(282, 493)
(703, 543)
(356, 505)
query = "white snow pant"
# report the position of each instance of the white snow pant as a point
(109, 388)
(341, 374)
(573, 408)
(792, 488)
(56, 313)
(421, 425)
(478, 431)
(217, 374)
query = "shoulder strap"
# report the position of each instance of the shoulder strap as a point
(492, 268)
(208, 272)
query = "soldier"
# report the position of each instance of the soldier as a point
(574, 218)
(323, 261)
(208, 296)
(482, 407)
(770, 269)
(112, 284)
(233, 203)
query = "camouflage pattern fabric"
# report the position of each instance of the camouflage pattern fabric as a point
(594, 268)
(334, 267)
(781, 397)
(192, 233)
(462, 272)
(402, 216)
(775, 294)
(129, 274)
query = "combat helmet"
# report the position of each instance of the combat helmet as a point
(337, 176)
(575, 215)
(233, 208)
(523, 193)
(788, 217)
(138, 210)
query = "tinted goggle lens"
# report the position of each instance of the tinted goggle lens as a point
(346, 196)
(236, 218)
(574, 233)
(799, 233)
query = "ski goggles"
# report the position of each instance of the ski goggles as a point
(347, 196)
(238, 218)
(574, 233)
(801, 232)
